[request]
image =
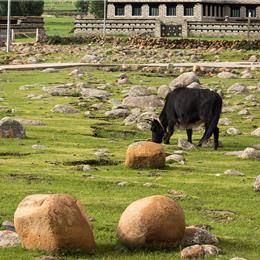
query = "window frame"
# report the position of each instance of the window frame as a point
(189, 7)
(235, 11)
(117, 8)
(173, 7)
(137, 6)
(157, 8)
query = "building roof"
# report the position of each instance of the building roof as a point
(255, 2)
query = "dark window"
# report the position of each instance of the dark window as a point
(171, 10)
(136, 10)
(204, 10)
(119, 9)
(252, 10)
(188, 9)
(235, 11)
(154, 10)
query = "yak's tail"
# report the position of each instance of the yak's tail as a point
(215, 119)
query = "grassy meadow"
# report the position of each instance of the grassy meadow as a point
(71, 142)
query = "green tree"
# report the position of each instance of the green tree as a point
(23, 8)
(96, 7)
(82, 6)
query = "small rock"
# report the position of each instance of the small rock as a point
(123, 79)
(250, 153)
(257, 183)
(251, 98)
(117, 113)
(237, 88)
(233, 131)
(227, 75)
(185, 145)
(30, 122)
(234, 173)
(177, 194)
(103, 152)
(9, 239)
(194, 235)
(87, 168)
(163, 91)
(8, 225)
(176, 158)
(256, 132)
(38, 146)
(122, 183)
(50, 70)
(199, 251)
(184, 80)
(244, 112)
(62, 108)
(150, 185)
(253, 58)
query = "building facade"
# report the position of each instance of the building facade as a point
(180, 10)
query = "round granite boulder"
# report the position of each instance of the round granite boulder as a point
(53, 222)
(152, 221)
(145, 155)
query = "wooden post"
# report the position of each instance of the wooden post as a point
(37, 34)
(12, 35)
(248, 25)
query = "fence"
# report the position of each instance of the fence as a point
(22, 25)
(154, 27)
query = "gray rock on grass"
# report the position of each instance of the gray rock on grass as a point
(257, 183)
(63, 108)
(9, 238)
(184, 80)
(234, 172)
(10, 128)
(185, 145)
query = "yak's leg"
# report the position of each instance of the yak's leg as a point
(189, 134)
(168, 134)
(216, 136)
(202, 138)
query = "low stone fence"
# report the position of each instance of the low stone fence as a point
(22, 25)
(220, 29)
(160, 29)
(116, 26)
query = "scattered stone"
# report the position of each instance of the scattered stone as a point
(252, 98)
(237, 88)
(233, 131)
(223, 215)
(150, 185)
(177, 194)
(143, 126)
(145, 155)
(176, 158)
(256, 146)
(256, 132)
(137, 91)
(234, 172)
(89, 58)
(210, 143)
(155, 220)
(9, 238)
(183, 144)
(235, 153)
(184, 80)
(8, 225)
(250, 153)
(10, 128)
(257, 183)
(87, 114)
(32, 122)
(246, 75)
(38, 146)
(123, 79)
(94, 93)
(194, 235)
(118, 113)
(87, 168)
(103, 152)
(227, 75)
(237, 258)
(122, 183)
(244, 112)
(52, 223)
(199, 251)
(194, 85)
(163, 91)
(62, 108)
(143, 102)
(253, 58)
(50, 70)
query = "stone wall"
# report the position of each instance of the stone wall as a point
(115, 26)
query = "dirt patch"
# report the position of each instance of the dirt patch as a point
(100, 162)
(14, 154)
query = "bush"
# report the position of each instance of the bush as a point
(96, 7)
(22, 8)
(82, 6)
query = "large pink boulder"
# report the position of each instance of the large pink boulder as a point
(53, 222)
(155, 220)
(145, 155)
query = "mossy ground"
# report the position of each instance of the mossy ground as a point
(69, 137)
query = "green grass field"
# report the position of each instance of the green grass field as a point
(69, 137)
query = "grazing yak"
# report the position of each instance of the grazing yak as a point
(186, 107)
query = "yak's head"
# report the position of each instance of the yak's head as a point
(157, 131)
